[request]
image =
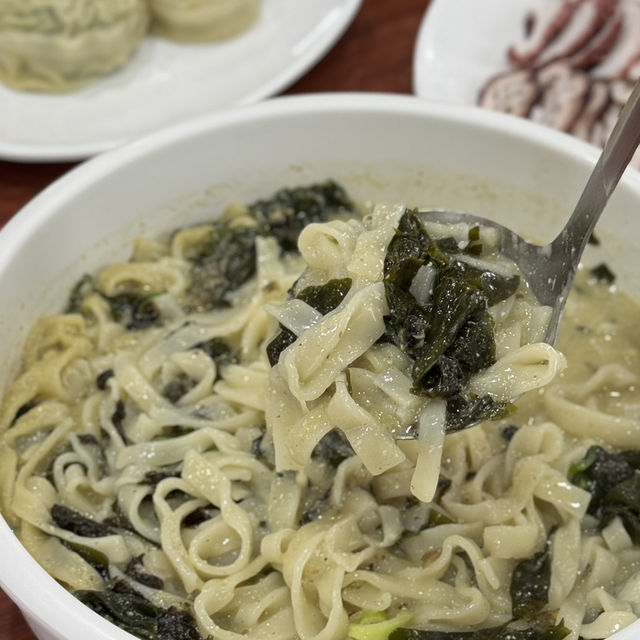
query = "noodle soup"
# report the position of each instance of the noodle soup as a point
(203, 443)
(506, 169)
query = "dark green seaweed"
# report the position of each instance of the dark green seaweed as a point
(224, 264)
(283, 339)
(323, 298)
(530, 584)
(103, 377)
(136, 571)
(153, 477)
(72, 521)
(505, 632)
(603, 274)
(452, 336)
(91, 556)
(80, 292)
(333, 448)
(220, 351)
(117, 419)
(129, 611)
(134, 613)
(326, 297)
(463, 410)
(613, 480)
(228, 259)
(25, 408)
(134, 311)
(177, 387)
(288, 211)
(174, 624)
(623, 501)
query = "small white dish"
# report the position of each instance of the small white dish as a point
(462, 43)
(167, 82)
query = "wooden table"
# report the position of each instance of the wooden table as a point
(375, 54)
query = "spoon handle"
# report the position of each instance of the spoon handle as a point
(615, 157)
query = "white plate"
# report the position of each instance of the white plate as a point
(167, 82)
(462, 43)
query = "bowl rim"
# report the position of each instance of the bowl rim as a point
(22, 578)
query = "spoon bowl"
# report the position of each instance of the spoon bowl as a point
(549, 270)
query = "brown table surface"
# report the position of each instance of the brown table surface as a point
(375, 54)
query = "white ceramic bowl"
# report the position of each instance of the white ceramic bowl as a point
(381, 147)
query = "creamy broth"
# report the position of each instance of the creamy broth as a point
(599, 330)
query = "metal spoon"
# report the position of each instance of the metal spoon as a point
(549, 270)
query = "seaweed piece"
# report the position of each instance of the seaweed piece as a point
(25, 408)
(450, 336)
(530, 584)
(174, 624)
(288, 211)
(323, 298)
(473, 349)
(117, 419)
(72, 521)
(129, 611)
(509, 431)
(101, 380)
(152, 478)
(598, 472)
(326, 297)
(613, 480)
(603, 274)
(220, 351)
(454, 302)
(136, 571)
(80, 292)
(314, 507)
(333, 448)
(134, 311)
(470, 409)
(91, 556)
(263, 450)
(283, 339)
(412, 242)
(461, 296)
(199, 515)
(172, 431)
(177, 387)
(623, 501)
(228, 259)
(410, 248)
(224, 264)
(505, 632)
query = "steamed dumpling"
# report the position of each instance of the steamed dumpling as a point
(58, 45)
(202, 20)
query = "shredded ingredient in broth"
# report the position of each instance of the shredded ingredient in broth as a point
(203, 444)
